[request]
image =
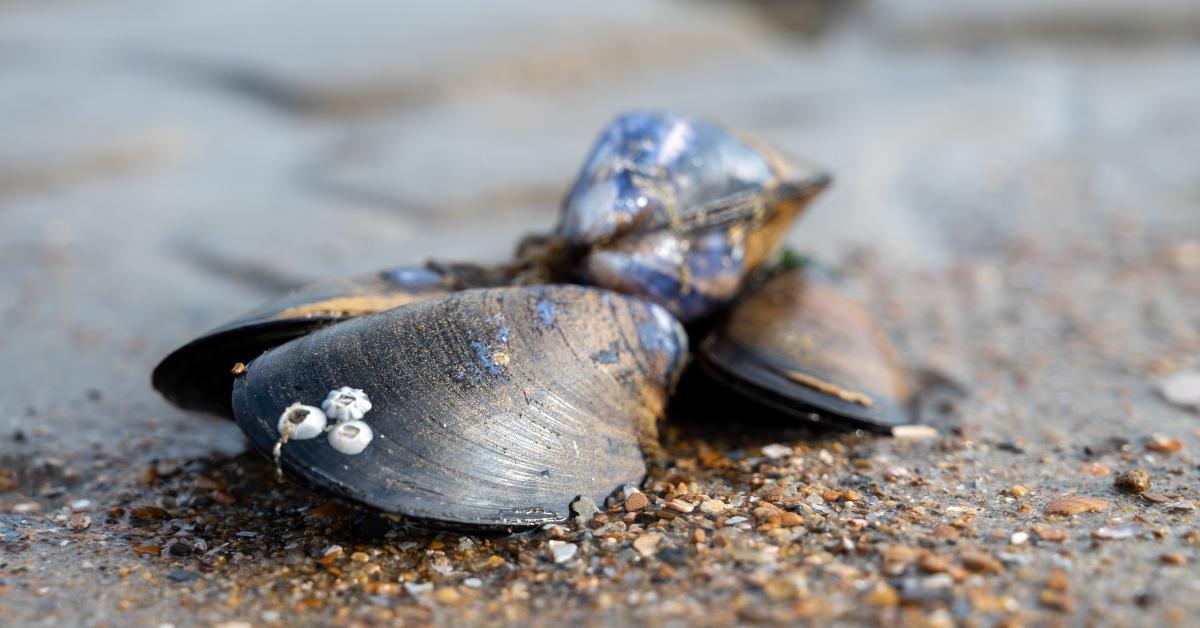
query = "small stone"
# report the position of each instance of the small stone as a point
(636, 501)
(712, 506)
(1068, 505)
(562, 551)
(583, 509)
(1182, 506)
(446, 595)
(1116, 533)
(148, 513)
(149, 550)
(1164, 445)
(1181, 389)
(647, 544)
(79, 521)
(775, 451)
(360, 557)
(732, 521)
(1174, 558)
(911, 433)
(81, 504)
(473, 583)
(980, 562)
(1050, 535)
(790, 520)
(1095, 469)
(678, 505)
(1133, 481)
(1018, 491)
(934, 563)
(182, 575)
(883, 595)
(25, 508)
(1019, 538)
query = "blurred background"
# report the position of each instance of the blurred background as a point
(1017, 199)
(165, 165)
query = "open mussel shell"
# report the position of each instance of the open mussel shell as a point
(490, 408)
(802, 346)
(680, 211)
(198, 376)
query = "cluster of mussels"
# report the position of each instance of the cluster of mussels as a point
(500, 394)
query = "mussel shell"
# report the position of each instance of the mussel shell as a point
(800, 345)
(680, 211)
(492, 408)
(197, 375)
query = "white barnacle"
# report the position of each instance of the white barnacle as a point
(301, 422)
(346, 404)
(351, 437)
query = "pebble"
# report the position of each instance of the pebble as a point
(680, 506)
(1068, 505)
(79, 521)
(712, 506)
(148, 513)
(562, 551)
(81, 504)
(1174, 558)
(1116, 533)
(647, 544)
(583, 509)
(473, 583)
(182, 575)
(790, 520)
(1051, 535)
(1019, 538)
(1181, 389)
(25, 508)
(1164, 445)
(418, 588)
(980, 562)
(775, 451)
(1133, 481)
(911, 433)
(1018, 491)
(636, 501)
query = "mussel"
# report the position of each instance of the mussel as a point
(490, 397)
(488, 407)
(802, 346)
(680, 211)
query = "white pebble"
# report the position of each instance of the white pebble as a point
(346, 404)
(562, 550)
(302, 422)
(1181, 389)
(1019, 538)
(351, 437)
(775, 451)
(914, 432)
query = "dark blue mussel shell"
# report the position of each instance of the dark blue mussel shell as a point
(492, 408)
(680, 211)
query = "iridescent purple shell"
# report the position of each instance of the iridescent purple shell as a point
(679, 210)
